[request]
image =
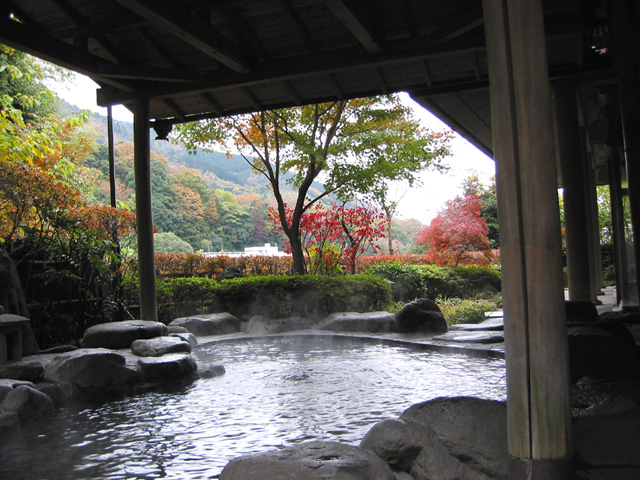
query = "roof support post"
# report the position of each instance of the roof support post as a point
(142, 168)
(626, 17)
(538, 415)
(573, 167)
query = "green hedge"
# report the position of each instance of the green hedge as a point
(311, 296)
(461, 282)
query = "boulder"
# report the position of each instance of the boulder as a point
(173, 366)
(596, 352)
(309, 461)
(28, 370)
(422, 315)
(359, 322)
(607, 441)
(473, 430)
(176, 329)
(91, 368)
(259, 325)
(190, 338)
(416, 450)
(580, 311)
(62, 394)
(6, 385)
(9, 422)
(210, 371)
(210, 324)
(490, 324)
(156, 347)
(121, 334)
(27, 403)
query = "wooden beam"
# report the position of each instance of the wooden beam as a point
(252, 98)
(39, 44)
(300, 26)
(207, 97)
(462, 24)
(383, 84)
(293, 92)
(355, 23)
(181, 24)
(174, 107)
(336, 86)
(113, 52)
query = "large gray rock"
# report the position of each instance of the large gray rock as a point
(91, 368)
(416, 449)
(9, 422)
(608, 441)
(359, 322)
(7, 384)
(174, 366)
(210, 324)
(472, 431)
(259, 325)
(62, 394)
(28, 370)
(309, 461)
(596, 352)
(121, 334)
(156, 347)
(188, 337)
(27, 402)
(422, 315)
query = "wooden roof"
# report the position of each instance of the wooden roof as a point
(202, 58)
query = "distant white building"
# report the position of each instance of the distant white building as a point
(267, 251)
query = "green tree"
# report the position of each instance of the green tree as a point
(489, 209)
(352, 146)
(169, 242)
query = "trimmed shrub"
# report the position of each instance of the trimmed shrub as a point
(461, 282)
(408, 280)
(310, 296)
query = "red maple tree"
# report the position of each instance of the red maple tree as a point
(456, 232)
(334, 237)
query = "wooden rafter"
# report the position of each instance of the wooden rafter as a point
(293, 92)
(181, 24)
(299, 24)
(356, 24)
(462, 24)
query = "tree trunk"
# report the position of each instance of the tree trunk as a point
(11, 294)
(299, 265)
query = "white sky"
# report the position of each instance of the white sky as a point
(422, 203)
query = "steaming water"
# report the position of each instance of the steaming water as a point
(277, 391)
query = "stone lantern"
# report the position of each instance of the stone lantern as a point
(11, 336)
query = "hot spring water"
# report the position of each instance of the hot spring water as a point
(277, 391)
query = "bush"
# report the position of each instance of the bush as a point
(310, 296)
(461, 282)
(459, 310)
(408, 281)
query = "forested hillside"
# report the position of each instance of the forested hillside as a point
(202, 201)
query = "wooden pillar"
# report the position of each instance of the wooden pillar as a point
(626, 17)
(112, 161)
(574, 182)
(142, 160)
(538, 415)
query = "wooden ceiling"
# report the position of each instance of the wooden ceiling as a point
(195, 59)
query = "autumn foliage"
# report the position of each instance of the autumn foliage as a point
(457, 235)
(334, 237)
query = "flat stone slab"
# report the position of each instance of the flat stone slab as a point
(121, 334)
(156, 347)
(310, 461)
(492, 324)
(499, 314)
(471, 337)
